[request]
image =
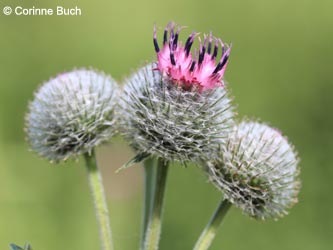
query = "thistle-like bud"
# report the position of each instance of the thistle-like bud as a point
(71, 114)
(163, 119)
(178, 107)
(257, 171)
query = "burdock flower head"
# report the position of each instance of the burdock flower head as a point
(71, 114)
(178, 108)
(257, 171)
(189, 70)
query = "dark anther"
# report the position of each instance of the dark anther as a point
(175, 41)
(188, 41)
(203, 51)
(165, 36)
(221, 64)
(157, 49)
(216, 69)
(216, 48)
(201, 55)
(188, 48)
(172, 58)
(225, 59)
(209, 49)
(192, 66)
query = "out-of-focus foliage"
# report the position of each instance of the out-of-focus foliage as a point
(280, 70)
(16, 247)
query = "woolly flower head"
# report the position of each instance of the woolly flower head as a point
(176, 108)
(201, 70)
(163, 119)
(71, 114)
(257, 171)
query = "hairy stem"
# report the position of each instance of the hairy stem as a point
(208, 234)
(153, 230)
(97, 190)
(149, 186)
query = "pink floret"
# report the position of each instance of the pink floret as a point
(200, 70)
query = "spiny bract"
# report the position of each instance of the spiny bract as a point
(257, 171)
(71, 114)
(163, 119)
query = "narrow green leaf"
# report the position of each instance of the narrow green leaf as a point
(15, 247)
(136, 159)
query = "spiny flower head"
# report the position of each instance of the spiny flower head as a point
(71, 114)
(201, 70)
(257, 171)
(162, 119)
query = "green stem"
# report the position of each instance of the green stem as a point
(149, 182)
(153, 230)
(97, 190)
(208, 234)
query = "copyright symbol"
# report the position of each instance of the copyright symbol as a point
(7, 10)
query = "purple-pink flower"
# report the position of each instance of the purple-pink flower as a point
(201, 69)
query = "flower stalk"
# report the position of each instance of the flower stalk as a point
(97, 190)
(149, 182)
(207, 236)
(154, 225)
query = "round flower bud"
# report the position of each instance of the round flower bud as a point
(71, 114)
(162, 118)
(178, 108)
(257, 171)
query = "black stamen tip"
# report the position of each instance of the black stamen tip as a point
(157, 49)
(201, 56)
(225, 59)
(187, 42)
(203, 51)
(192, 66)
(217, 69)
(188, 48)
(220, 65)
(165, 36)
(216, 48)
(209, 49)
(172, 59)
(175, 41)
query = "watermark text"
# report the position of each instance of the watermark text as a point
(34, 11)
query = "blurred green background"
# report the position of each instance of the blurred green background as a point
(280, 70)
